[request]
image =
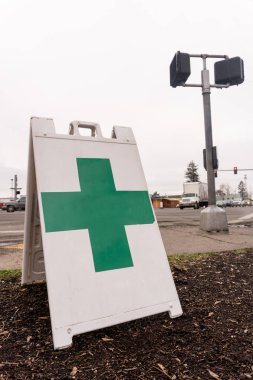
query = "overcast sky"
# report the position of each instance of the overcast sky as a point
(107, 61)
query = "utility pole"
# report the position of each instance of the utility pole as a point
(15, 188)
(11, 188)
(245, 182)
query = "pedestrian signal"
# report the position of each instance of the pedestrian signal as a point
(229, 71)
(180, 69)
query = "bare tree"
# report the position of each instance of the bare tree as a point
(226, 188)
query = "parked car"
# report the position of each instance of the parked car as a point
(220, 203)
(15, 205)
(228, 203)
(236, 203)
(3, 201)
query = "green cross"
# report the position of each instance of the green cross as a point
(102, 210)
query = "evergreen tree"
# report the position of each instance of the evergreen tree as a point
(242, 190)
(155, 195)
(191, 173)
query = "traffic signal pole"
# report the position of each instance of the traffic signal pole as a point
(212, 218)
(206, 91)
(227, 72)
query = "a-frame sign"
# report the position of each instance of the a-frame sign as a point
(90, 231)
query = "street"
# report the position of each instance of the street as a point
(179, 230)
(12, 224)
(190, 217)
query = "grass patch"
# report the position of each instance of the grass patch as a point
(10, 273)
(181, 260)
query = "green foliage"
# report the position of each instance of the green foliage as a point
(181, 261)
(242, 189)
(155, 195)
(191, 173)
(10, 273)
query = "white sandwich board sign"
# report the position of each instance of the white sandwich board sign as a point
(90, 230)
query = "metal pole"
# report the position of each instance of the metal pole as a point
(245, 182)
(208, 134)
(15, 186)
(12, 188)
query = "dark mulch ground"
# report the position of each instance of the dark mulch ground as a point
(212, 340)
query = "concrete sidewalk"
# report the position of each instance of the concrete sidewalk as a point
(190, 239)
(177, 240)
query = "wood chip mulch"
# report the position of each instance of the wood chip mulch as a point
(212, 340)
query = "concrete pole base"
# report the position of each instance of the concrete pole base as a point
(213, 218)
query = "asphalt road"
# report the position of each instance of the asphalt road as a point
(179, 230)
(191, 217)
(12, 224)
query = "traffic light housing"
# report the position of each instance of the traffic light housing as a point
(235, 169)
(180, 69)
(229, 71)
